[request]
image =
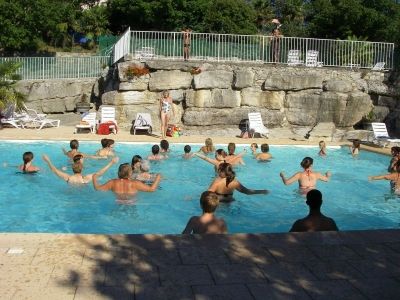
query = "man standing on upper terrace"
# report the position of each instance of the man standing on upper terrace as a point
(186, 43)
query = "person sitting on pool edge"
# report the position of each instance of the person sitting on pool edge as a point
(225, 184)
(124, 187)
(207, 223)
(307, 179)
(315, 221)
(28, 167)
(77, 167)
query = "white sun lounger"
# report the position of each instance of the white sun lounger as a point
(142, 122)
(256, 124)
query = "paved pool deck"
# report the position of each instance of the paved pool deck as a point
(322, 265)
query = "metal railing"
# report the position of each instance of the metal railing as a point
(259, 49)
(122, 46)
(37, 68)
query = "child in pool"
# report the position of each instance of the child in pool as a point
(155, 150)
(254, 148)
(187, 154)
(107, 150)
(264, 155)
(27, 167)
(74, 145)
(164, 148)
(355, 148)
(208, 146)
(322, 148)
(206, 223)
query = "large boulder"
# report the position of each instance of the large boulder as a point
(212, 116)
(219, 79)
(358, 105)
(130, 98)
(390, 102)
(135, 84)
(337, 85)
(300, 107)
(292, 82)
(217, 98)
(243, 79)
(169, 80)
(259, 98)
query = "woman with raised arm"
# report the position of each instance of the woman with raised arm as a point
(307, 178)
(77, 167)
(394, 178)
(225, 184)
(220, 157)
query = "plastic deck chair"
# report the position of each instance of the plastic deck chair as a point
(256, 125)
(142, 122)
(89, 122)
(294, 58)
(378, 66)
(31, 116)
(107, 115)
(381, 135)
(312, 59)
(9, 117)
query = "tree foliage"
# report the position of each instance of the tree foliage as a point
(26, 25)
(8, 78)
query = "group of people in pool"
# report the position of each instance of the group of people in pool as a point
(135, 176)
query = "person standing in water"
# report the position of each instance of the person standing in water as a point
(207, 223)
(393, 177)
(124, 187)
(28, 167)
(77, 167)
(225, 184)
(308, 178)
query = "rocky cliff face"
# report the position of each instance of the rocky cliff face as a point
(223, 94)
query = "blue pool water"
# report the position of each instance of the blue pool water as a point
(45, 203)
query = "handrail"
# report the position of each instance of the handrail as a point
(145, 45)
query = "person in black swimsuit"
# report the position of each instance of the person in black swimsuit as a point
(186, 43)
(225, 184)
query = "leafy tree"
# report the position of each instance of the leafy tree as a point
(376, 20)
(264, 15)
(8, 78)
(230, 16)
(291, 13)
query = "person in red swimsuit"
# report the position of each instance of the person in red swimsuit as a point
(308, 178)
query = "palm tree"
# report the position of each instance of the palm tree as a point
(8, 93)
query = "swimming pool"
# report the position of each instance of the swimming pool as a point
(45, 203)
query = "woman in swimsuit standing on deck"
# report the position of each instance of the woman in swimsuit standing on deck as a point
(165, 109)
(225, 184)
(307, 179)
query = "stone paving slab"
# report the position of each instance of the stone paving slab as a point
(238, 266)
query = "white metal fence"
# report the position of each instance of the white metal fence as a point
(37, 68)
(261, 49)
